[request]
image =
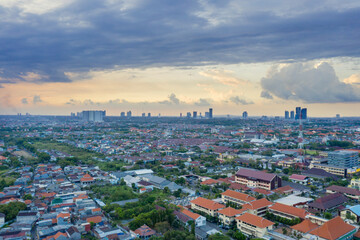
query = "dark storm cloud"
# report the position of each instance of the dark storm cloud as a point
(94, 35)
(308, 83)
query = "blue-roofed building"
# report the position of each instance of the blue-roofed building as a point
(351, 212)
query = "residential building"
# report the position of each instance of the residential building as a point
(301, 179)
(336, 170)
(93, 116)
(227, 215)
(238, 198)
(334, 229)
(206, 206)
(257, 179)
(253, 225)
(355, 183)
(288, 212)
(198, 219)
(352, 212)
(304, 227)
(327, 202)
(258, 207)
(348, 192)
(144, 232)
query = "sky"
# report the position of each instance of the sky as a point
(172, 57)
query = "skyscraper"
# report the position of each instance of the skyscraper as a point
(122, 114)
(304, 113)
(128, 114)
(149, 114)
(143, 115)
(297, 113)
(210, 113)
(188, 115)
(194, 114)
(286, 114)
(245, 114)
(93, 116)
(292, 115)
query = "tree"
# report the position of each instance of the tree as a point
(218, 236)
(27, 197)
(327, 215)
(180, 181)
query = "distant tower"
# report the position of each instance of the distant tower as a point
(301, 137)
(188, 114)
(149, 114)
(122, 114)
(337, 115)
(195, 114)
(180, 114)
(143, 115)
(292, 115)
(286, 114)
(304, 113)
(297, 113)
(210, 113)
(128, 114)
(245, 114)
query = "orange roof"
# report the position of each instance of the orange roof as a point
(263, 202)
(333, 229)
(81, 196)
(87, 178)
(56, 236)
(96, 209)
(255, 220)
(297, 212)
(208, 204)
(230, 212)
(54, 221)
(27, 202)
(238, 195)
(94, 219)
(305, 226)
(63, 215)
(261, 191)
(283, 189)
(209, 182)
(190, 214)
(46, 194)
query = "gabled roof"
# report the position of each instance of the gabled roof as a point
(296, 212)
(192, 215)
(298, 177)
(254, 220)
(230, 212)
(208, 204)
(263, 202)
(328, 201)
(283, 189)
(346, 190)
(238, 195)
(305, 226)
(333, 229)
(249, 173)
(209, 182)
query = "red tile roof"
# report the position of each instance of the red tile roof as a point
(257, 204)
(305, 226)
(297, 212)
(298, 177)
(209, 182)
(238, 195)
(190, 214)
(333, 229)
(208, 204)
(230, 212)
(255, 220)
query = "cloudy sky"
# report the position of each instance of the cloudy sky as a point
(168, 57)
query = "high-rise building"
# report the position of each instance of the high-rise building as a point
(143, 115)
(245, 114)
(180, 114)
(292, 115)
(304, 113)
(149, 114)
(194, 114)
(207, 114)
(210, 113)
(346, 159)
(297, 113)
(188, 115)
(122, 114)
(93, 116)
(128, 114)
(286, 114)
(337, 115)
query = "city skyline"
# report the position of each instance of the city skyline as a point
(158, 57)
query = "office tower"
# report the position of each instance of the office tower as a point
(72, 114)
(304, 113)
(188, 115)
(207, 114)
(292, 115)
(180, 114)
(210, 113)
(122, 114)
(297, 113)
(245, 114)
(93, 116)
(194, 114)
(143, 115)
(346, 159)
(337, 115)
(128, 114)
(149, 114)
(286, 114)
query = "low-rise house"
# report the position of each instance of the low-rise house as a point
(348, 192)
(289, 212)
(257, 179)
(73, 233)
(334, 229)
(237, 198)
(304, 227)
(328, 202)
(258, 207)
(206, 206)
(144, 232)
(27, 216)
(285, 190)
(352, 212)
(2, 219)
(198, 219)
(227, 215)
(253, 225)
(302, 179)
